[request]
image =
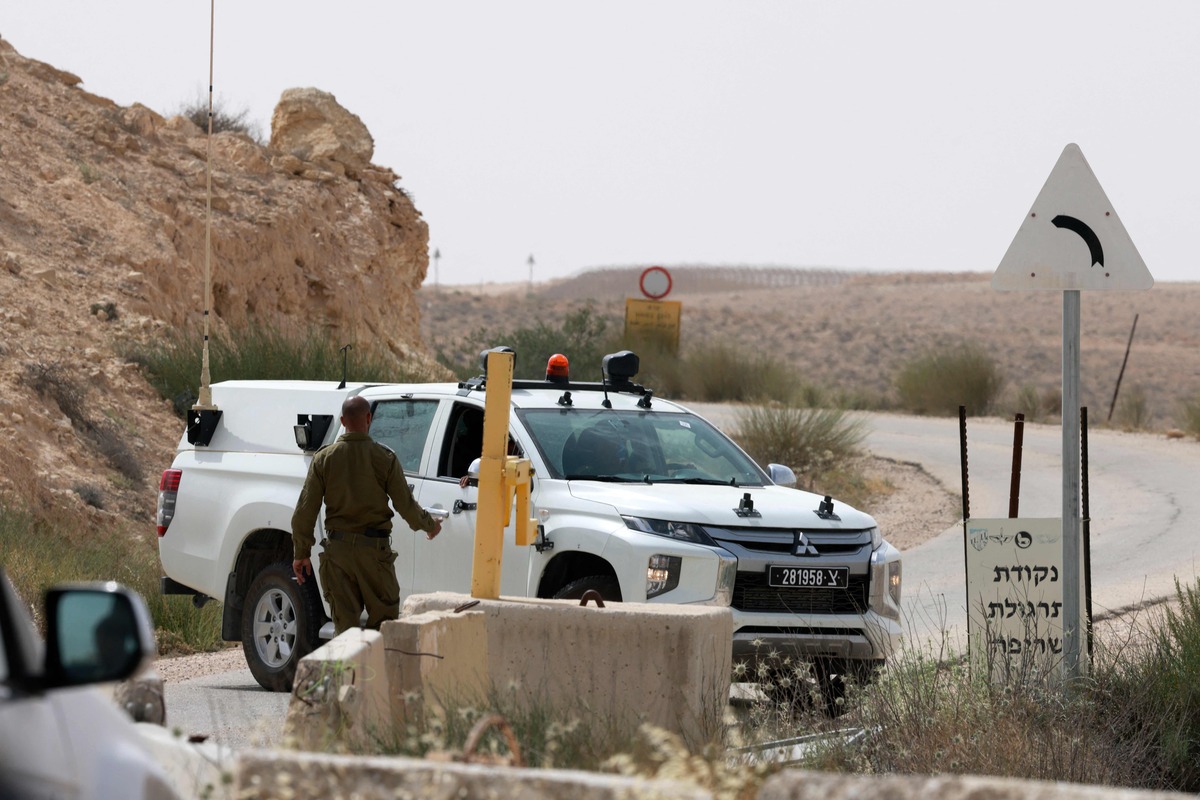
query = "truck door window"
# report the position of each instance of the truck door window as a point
(464, 441)
(403, 425)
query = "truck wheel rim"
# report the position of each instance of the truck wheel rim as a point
(274, 628)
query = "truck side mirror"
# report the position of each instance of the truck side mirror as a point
(781, 475)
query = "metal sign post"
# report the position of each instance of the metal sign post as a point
(1071, 240)
(1070, 483)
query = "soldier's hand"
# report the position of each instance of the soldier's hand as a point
(300, 567)
(437, 528)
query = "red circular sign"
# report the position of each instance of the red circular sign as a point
(655, 283)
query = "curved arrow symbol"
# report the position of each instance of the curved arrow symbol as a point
(1087, 234)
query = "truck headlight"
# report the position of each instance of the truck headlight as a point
(893, 582)
(682, 531)
(662, 574)
(885, 585)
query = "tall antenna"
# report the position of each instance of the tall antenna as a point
(204, 416)
(205, 400)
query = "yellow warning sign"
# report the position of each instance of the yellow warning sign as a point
(656, 320)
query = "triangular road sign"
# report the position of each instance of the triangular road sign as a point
(1072, 237)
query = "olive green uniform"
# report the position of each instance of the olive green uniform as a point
(355, 476)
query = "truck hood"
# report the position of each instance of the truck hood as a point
(779, 507)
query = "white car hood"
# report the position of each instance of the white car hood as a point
(777, 506)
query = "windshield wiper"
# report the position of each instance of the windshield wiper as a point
(701, 481)
(601, 478)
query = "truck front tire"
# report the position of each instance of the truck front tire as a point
(606, 585)
(281, 623)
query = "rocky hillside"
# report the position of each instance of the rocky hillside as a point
(102, 239)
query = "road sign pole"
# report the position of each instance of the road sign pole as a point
(1071, 490)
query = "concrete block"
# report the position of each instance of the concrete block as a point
(262, 775)
(804, 785)
(341, 695)
(630, 663)
(436, 659)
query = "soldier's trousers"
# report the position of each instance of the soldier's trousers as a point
(359, 572)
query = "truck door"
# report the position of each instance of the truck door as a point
(445, 563)
(404, 424)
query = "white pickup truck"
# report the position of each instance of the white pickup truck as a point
(636, 498)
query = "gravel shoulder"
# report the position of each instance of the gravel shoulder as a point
(176, 669)
(917, 510)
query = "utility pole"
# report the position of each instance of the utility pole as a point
(530, 262)
(437, 255)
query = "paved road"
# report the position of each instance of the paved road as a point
(231, 708)
(1145, 506)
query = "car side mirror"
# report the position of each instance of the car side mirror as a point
(781, 475)
(95, 633)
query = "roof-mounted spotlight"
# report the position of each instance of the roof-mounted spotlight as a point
(483, 356)
(620, 368)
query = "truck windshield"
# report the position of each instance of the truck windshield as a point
(637, 447)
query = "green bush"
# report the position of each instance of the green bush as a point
(172, 362)
(941, 380)
(809, 440)
(584, 337)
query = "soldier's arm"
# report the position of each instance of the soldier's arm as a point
(304, 518)
(406, 505)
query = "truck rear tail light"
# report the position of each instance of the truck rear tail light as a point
(168, 490)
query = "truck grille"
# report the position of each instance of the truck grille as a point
(751, 593)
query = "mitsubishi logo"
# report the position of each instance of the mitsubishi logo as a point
(802, 547)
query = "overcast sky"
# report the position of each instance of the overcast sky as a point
(857, 135)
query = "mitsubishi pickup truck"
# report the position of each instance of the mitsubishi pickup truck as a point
(635, 497)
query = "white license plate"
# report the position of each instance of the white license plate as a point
(808, 577)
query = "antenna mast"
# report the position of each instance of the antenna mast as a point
(205, 400)
(204, 416)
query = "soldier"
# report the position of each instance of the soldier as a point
(355, 476)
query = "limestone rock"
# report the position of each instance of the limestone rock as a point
(106, 205)
(311, 125)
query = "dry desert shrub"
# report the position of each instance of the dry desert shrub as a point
(944, 378)
(809, 440)
(1190, 414)
(1133, 409)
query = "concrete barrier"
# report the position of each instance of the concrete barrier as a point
(628, 663)
(625, 664)
(341, 695)
(804, 785)
(309, 776)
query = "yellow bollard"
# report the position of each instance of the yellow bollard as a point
(500, 476)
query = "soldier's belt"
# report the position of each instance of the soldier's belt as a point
(375, 537)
